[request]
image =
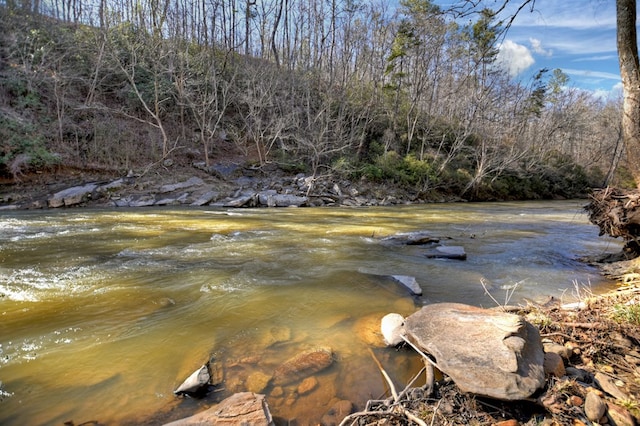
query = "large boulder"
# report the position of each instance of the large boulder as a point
(485, 352)
(245, 408)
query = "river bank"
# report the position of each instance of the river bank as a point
(223, 184)
(592, 365)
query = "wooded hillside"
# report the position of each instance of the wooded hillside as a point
(341, 87)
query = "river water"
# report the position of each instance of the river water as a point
(104, 312)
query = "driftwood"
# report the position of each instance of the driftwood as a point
(617, 213)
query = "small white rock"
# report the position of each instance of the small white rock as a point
(392, 327)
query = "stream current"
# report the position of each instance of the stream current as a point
(104, 312)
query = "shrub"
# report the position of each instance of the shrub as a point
(22, 147)
(627, 313)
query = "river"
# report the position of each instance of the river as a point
(104, 312)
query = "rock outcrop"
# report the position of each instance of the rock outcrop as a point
(72, 196)
(485, 352)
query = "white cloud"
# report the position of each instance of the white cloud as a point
(514, 57)
(567, 14)
(536, 45)
(597, 58)
(592, 74)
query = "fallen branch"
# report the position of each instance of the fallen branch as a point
(592, 326)
(395, 409)
(386, 376)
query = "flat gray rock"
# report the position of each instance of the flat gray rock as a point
(485, 352)
(194, 181)
(72, 196)
(411, 238)
(447, 252)
(410, 283)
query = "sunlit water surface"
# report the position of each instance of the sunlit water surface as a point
(104, 312)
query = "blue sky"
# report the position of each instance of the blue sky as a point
(577, 36)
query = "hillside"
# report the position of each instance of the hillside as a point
(83, 102)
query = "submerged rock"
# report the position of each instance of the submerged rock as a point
(485, 352)
(257, 382)
(447, 252)
(303, 365)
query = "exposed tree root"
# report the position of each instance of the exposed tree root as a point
(617, 213)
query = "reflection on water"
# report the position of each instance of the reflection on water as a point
(105, 312)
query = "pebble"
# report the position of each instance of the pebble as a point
(553, 365)
(557, 348)
(575, 401)
(595, 390)
(607, 369)
(594, 407)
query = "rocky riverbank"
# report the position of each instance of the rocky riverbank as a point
(220, 185)
(591, 376)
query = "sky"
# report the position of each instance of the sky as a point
(577, 36)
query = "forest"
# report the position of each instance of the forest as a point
(350, 89)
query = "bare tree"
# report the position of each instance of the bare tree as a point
(203, 89)
(630, 73)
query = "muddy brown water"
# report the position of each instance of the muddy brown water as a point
(104, 312)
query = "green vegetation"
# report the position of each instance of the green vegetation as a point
(408, 98)
(626, 313)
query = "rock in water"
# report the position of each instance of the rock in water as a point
(447, 252)
(391, 328)
(410, 283)
(195, 382)
(303, 365)
(245, 408)
(485, 352)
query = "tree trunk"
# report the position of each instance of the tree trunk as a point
(630, 73)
